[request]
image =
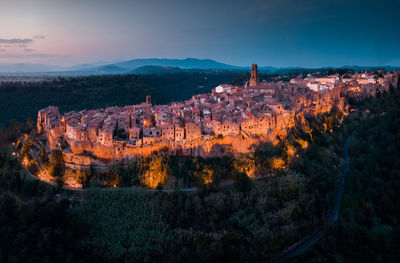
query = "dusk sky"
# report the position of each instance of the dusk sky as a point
(310, 33)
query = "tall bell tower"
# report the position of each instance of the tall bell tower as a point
(254, 75)
(148, 99)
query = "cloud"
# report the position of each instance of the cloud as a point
(16, 41)
(38, 37)
(2, 50)
(22, 56)
(28, 50)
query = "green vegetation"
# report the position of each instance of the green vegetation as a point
(126, 225)
(248, 221)
(161, 169)
(56, 164)
(36, 224)
(22, 100)
(368, 227)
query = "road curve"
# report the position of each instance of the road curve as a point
(296, 248)
(309, 240)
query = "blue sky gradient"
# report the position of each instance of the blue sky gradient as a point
(306, 33)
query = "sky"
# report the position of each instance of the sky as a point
(283, 33)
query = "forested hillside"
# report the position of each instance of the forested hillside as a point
(22, 100)
(368, 228)
(246, 221)
(249, 221)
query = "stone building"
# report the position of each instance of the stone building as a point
(254, 75)
(134, 134)
(192, 131)
(179, 132)
(168, 132)
(46, 116)
(261, 110)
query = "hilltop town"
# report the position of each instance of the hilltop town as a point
(229, 119)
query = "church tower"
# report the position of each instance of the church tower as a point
(148, 99)
(254, 75)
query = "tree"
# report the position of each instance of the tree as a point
(27, 146)
(114, 175)
(57, 165)
(306, 129)
(83, 177)
(44, 158)
(242, 182)
(205, 175)
(156, 172)
(245, 164)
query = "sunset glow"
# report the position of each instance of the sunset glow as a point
(274, 33)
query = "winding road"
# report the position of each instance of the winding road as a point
(306, 242)
(309, 240)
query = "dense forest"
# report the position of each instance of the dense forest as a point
(244, 222)
(22, 100)
(368, 228)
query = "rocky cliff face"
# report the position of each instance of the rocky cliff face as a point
(82, 154)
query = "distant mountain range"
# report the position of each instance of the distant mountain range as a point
(144, 66)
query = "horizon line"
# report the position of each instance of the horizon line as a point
(106, 63)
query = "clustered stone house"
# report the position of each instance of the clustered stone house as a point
(255, 109)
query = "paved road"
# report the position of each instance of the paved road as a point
(309, 240)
